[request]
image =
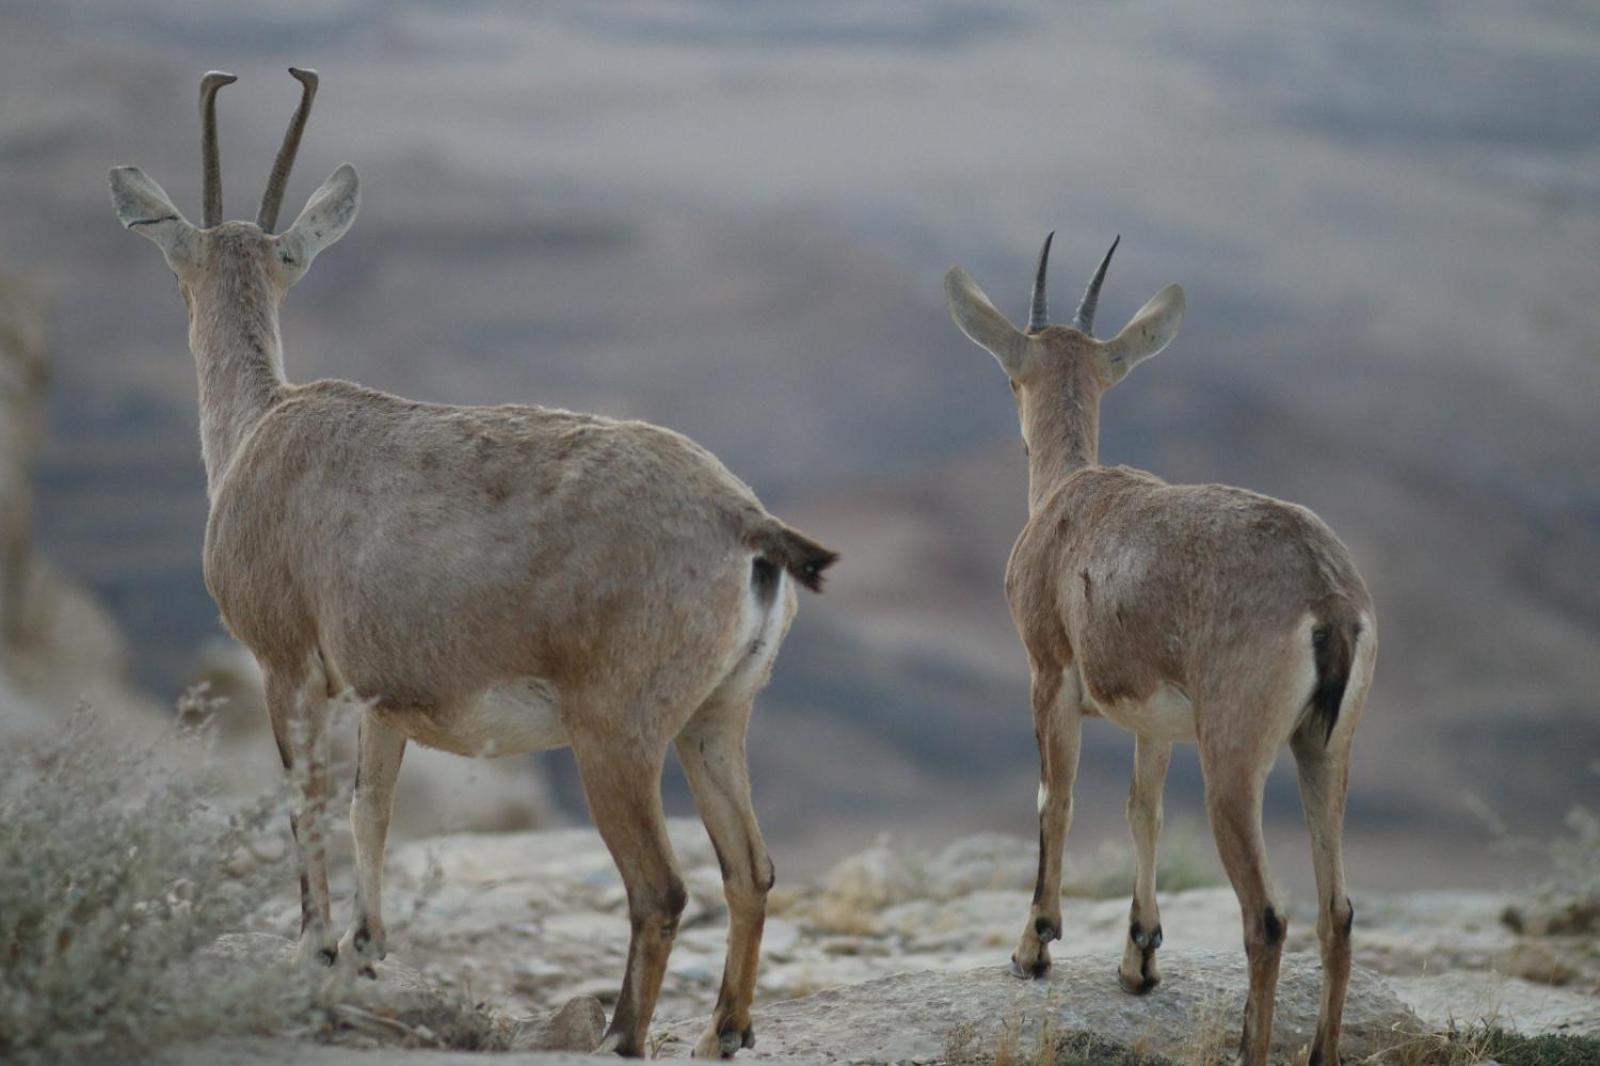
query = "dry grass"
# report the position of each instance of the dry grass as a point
(1049, 1046)
(844, 916)
(1486, 1043)
(1211, 1044)
(1212, 1039)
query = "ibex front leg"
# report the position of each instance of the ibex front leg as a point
(1138, 973)
(297, 703)
(712, 750)
(1058, 726)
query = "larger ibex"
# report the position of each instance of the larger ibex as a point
(1180, 612)
(490, 580)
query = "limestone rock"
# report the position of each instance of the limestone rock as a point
(1462, 998)
(912, 1015)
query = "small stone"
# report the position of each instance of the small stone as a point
(1535, 960)
(577, 1026)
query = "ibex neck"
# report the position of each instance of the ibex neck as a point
(239, 357)
(1062, 437)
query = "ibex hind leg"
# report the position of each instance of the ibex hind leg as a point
(297, 704)
(623, 787)
(1235, 763)
(1323, 760)
(379, 751)
(712, 750)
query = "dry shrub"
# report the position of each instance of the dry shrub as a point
(116, 870)
(120, 869)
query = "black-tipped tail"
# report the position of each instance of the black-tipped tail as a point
(802, 557)
(1333, 648)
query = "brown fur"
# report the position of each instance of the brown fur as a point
(488, 580)
(1197, 612)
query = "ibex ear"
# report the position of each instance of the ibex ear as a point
(145, 208)
(326, 218)
(983, 325)
(1149, 331)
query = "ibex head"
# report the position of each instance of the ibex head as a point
(229, 252)
(1055, 359)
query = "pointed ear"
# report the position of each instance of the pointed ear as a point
(1149, 331)
(983, 325)
(145, 208)
(326, 218)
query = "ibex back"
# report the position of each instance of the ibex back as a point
(488, 580)
(1180, 612)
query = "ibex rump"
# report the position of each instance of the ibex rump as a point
(1180, 612)
(490, 580)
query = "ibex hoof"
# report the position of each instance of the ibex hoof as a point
(724, 1044)
(363, 950)
(1142, 986)
(310, 954)
(1035, 970)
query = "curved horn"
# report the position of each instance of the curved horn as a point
(1083, 321)
(272, 199)
(1038, 315)
(210, 158)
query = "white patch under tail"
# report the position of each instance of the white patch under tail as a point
(762, 621)
(1362, 662)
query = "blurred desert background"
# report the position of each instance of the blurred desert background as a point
(732, 219)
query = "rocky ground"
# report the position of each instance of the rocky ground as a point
(897, 957)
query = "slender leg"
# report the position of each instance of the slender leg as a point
(1138, 973)
(1233, 801)
(1324, 775)
(1058, 726)
(297, 703)
(378, 755)
(712, 750)
(623, 788)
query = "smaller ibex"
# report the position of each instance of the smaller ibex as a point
(490, 580)
(1180, 612)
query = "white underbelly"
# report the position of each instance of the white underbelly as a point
(1167, 715)
(508, 718)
